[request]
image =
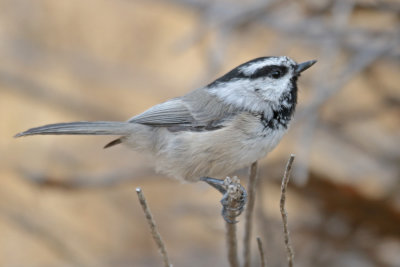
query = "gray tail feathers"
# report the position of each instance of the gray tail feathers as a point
(83, 127)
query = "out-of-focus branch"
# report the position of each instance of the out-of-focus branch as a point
(251, 191)
(359, 62)
(33, 225)
(365, 57)
(285, 181)
(153, 228)
(31, 88)
(86, 182)
(261, 251)
(279, 16)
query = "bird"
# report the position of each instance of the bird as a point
(211, 131)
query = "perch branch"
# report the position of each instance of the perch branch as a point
(153, 227)
(285, 181)
(232, 244)
(235, 192)
(251, 190)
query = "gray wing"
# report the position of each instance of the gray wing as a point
(169, 113)
(172, 114)
(196, 111)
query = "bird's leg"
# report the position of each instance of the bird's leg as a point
(234, 196)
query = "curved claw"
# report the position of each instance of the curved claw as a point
(225, 208)
(228, 212)
(235, 211)
(226, 217)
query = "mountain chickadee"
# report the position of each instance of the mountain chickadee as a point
(211, 131)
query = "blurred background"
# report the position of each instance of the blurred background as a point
(64, 201)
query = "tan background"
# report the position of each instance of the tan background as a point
(64, 201)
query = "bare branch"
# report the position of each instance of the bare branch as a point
(251, 191)
(285, 181)
(232, 244)
(261, 251)
(153, 227)
(235, 193)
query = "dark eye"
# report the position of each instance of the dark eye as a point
(271, 71)
(276, 74)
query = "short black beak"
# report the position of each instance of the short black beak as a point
(303, 66)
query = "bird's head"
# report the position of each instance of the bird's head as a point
(260, 84)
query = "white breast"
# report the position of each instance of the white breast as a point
(192, 155)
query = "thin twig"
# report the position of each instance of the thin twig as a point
(232, 244)
(261, 251)
(285, 181)
(153, 227)
(251, 191)
(235, 192)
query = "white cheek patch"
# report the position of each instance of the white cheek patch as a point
(253, 95)
(270, 94)
(241, 94)
(273, 89)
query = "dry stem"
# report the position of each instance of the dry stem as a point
(251, 191)
(235, 192)
(153, 227)
(261, 251)
(285, 181)
(232, 244)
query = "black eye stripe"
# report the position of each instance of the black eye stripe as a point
(268, 70)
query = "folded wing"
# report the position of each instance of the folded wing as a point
(170, 113)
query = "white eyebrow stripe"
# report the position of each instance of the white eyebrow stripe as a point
(253, 67)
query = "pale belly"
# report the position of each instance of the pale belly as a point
(191, 155)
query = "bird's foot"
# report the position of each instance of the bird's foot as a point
(234, 196)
